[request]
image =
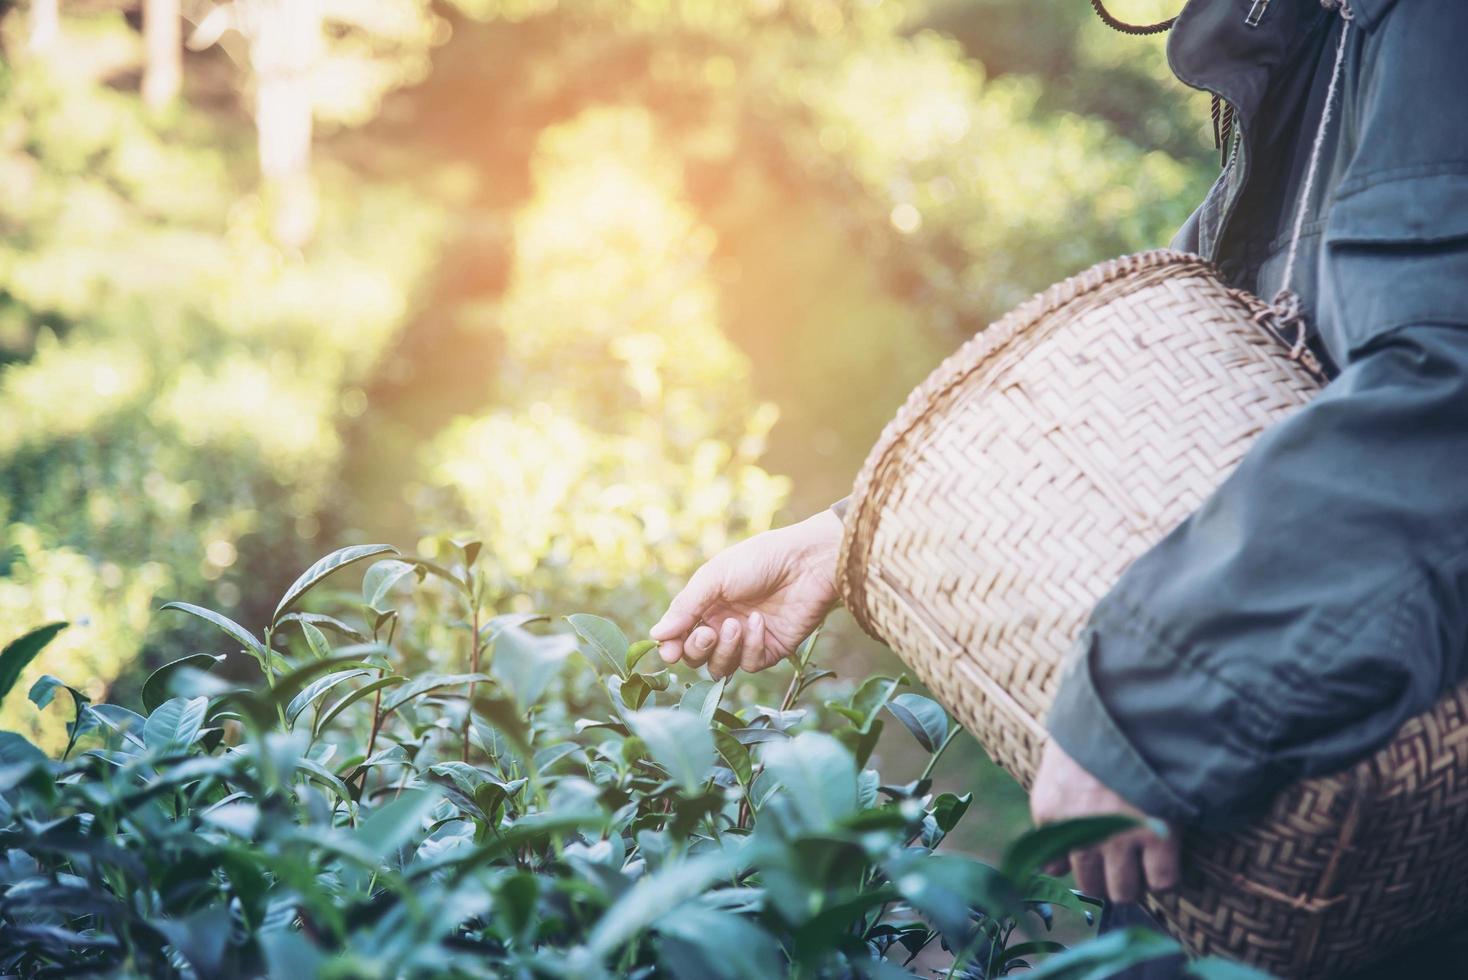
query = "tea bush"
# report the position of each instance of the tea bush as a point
(408, 785)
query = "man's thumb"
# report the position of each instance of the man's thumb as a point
(683, 612)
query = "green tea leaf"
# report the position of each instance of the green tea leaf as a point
(244, 637)
(923, 717)
(312, 576)
(431, 682)
(174, 724)
(606, 640)
(948, 809)
(735, 755)
(637, 651)
(527, 663)
(316, 640)
(654, 896)
(155, 688)
(18, 654)
(730, 946)
(819, 777)
(378, 583)
(396, 823)
(677, 741)
(366, 690)
(318, 689)
(322, 621)
(869, 699)
(1034, 849)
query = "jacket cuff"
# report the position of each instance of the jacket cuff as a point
(839, 508)
(1082, 724)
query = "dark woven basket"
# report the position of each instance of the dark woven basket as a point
(1008, 495)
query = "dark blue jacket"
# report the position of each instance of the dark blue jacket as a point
(1320, 598)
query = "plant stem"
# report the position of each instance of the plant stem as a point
(952, 733)
(473, 660)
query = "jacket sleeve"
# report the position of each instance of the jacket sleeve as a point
(1320, 597)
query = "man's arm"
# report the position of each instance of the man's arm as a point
(1320, 598)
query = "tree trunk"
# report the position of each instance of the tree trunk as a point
(45, 25)
(285, 46)
(163, 43)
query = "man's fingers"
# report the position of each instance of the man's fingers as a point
(726, 654)
(700, 646)
(670, 651)
(752, 655)
(1161, 864)
(1123, 869)
(1090, 872)
(687, 607)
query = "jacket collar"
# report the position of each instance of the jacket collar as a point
(1214, 48)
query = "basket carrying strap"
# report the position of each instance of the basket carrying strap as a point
(1285, 312)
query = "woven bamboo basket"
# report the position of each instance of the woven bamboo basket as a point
(1008, 495)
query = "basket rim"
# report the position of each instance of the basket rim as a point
(972, 356)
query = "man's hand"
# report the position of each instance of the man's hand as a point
(752, 604)
(1119, 869)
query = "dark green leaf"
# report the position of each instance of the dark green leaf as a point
(948, 809)
(735, 755)
(1044, 844)
(336, 560)
(869, 699)
(18, 654)
(45, 688)
(155, 688)
(924, 717)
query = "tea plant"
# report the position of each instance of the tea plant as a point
(415, 787)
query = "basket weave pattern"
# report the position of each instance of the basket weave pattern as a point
(1008, 495)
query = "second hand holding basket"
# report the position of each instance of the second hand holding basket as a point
(1011, 491)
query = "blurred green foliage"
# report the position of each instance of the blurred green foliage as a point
(606, 283)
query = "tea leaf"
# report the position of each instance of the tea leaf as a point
(244, 637)
(1034, 849)
(606, 640)
(677, 741)
(318, 689)
(155, 688)
(312, 576)
(923, 717)
(819, 777)
(330, 714)
(174, 724)
(378, 583)
(18, 654)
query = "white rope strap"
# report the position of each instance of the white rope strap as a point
(1285, 307)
